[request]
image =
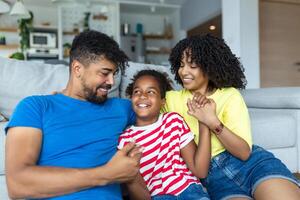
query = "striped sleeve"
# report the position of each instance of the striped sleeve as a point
(124, 139)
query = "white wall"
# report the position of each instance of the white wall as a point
(240, 26)
(152, 24)
(43, 14)
(195, 12)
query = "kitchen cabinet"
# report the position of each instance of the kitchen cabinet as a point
(75, 17)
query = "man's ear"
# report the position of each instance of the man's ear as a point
(76, 68)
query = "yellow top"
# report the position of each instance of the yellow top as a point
(231, 110)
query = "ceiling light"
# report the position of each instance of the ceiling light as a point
(4, 7)
(212, 27)
(20, 10)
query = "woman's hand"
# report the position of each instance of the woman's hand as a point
(203, 109)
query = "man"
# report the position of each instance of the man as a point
(63, 146)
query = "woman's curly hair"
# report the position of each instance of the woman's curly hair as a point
(89, 46)
(213, 57)
(164, 83)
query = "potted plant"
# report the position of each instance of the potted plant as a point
(25, 26)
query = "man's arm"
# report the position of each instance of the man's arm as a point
(27, 180)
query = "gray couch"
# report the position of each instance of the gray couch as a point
(275, 113)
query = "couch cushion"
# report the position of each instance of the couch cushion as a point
(135, 67)
(273, 129)
(19, 79)
(2, 147)
(283, 97)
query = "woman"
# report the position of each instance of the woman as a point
(206, 68)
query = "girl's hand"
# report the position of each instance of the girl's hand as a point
(200, 99)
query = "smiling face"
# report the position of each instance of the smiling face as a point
(146, 100)
(191, 75)
(96, 80)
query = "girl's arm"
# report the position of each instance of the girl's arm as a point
(137, 189)
(198, 157)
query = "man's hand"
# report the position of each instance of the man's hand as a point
(125, 164)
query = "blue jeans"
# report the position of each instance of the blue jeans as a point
(231, 177)
(193, 192)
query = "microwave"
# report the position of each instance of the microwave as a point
(42, 40)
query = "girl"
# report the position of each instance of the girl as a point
(171, 160)
(206, 67)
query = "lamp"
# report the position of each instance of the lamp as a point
(4, 7)
(20, 10)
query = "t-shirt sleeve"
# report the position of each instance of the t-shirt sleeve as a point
(28, 113)
(236, 117)
(186, 135)
(124, 139)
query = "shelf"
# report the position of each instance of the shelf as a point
(159, 37)
(70, 32)
(9, 46)
(157, 52)
(8, 29)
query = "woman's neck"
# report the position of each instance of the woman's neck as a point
(205, 91)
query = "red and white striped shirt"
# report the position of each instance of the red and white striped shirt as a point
(162, 166)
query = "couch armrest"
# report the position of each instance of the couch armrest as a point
(279, 98)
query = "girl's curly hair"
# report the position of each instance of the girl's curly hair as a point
(213, 57)
(162, 79)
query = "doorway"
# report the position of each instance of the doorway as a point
(279, 43)
(212, 26)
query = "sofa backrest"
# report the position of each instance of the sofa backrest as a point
(3, 188)
(19, 79)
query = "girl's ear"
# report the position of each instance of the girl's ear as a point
(163, 102)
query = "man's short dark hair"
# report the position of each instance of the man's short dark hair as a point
(90, 46)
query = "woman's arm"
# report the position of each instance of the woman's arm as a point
(233, 143)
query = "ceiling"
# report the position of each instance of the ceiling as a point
(134, 2)
(126, 6)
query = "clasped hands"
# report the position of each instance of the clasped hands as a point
(203, 109)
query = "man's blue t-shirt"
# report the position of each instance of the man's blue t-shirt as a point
(76, 134)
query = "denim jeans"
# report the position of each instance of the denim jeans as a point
(193, 192)
(230, 177)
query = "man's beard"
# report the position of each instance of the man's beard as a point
(91, 95)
